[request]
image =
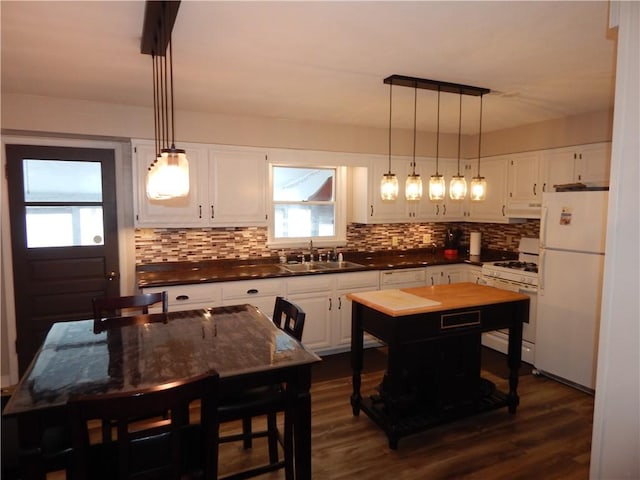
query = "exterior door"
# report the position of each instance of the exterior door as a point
(64, 236)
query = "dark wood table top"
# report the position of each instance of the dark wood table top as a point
(235, 341)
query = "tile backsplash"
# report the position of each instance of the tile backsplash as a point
(196, 244)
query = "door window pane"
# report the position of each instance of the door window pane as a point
(64, 226)
(62, 181)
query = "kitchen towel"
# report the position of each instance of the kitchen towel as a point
(474, 248)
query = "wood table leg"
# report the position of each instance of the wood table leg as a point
(302, 423)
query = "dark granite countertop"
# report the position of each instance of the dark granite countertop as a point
(182, 273)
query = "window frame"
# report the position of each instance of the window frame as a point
(339, 238)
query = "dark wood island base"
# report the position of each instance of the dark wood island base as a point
(433, 372)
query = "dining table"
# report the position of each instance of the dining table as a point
(239, 342)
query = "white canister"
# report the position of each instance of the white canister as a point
(474, 247)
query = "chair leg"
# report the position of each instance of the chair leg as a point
(272, 428)
(246, 432)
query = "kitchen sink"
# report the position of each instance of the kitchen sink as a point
(319, 266)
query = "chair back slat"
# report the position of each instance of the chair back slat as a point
(110, 307)
(289, 317)
(153, 447)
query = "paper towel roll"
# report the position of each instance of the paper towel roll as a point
(474, 247)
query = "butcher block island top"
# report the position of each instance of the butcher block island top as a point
(410, 301)
(433, 338)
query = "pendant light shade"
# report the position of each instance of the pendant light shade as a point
(389, 187)
(168, 175)
(478, 183)
(413, 185)
(389, 182)
(458, 185)
(437, 185)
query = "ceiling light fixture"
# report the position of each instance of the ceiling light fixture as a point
(478, 183)
(389, 182)
(458, 185)
(437, 185)
(413, 185)
(168, 175)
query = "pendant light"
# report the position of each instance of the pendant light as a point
(413, 185)
(389, 182)
(458, 185)
(437, 185)
(478, 184)
(168, 175)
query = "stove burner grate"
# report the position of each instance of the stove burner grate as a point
(517, 265)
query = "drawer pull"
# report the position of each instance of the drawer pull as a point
(182, 297)
(252, 291)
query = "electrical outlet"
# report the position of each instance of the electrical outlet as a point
(426, 238)
(394, 241)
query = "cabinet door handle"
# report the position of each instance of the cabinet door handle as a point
(449, 277)
(212, 212)
(437, 209)
(339, 303)
(503, 210)
(371, 214)
(544, 187)
(181, 298)
(252, 291)
(330, 304)
(534, 189)
(199, 211)
(444, 209)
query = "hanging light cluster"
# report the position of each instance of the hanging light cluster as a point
(437, 185)
(168, 175)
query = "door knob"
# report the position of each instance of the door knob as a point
(112, 276)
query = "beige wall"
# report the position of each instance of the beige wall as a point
(43, 114)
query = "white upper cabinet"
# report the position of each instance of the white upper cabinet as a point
(237, 186)
(185, 211)
(493, 208)
(367, 205)
(523, 185)
(588, 164)
(227, 188)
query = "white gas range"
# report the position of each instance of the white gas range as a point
(517, 276)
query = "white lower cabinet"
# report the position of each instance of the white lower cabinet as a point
(260, 293)
(350, 283)
(187, 297)
(314, 294)
(445, 274)
(473, 273)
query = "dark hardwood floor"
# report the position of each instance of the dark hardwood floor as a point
(548, 438)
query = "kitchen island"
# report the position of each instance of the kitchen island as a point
(433, 335)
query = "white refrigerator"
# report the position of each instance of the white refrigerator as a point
(570, 266)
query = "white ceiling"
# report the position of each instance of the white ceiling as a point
(324, 60)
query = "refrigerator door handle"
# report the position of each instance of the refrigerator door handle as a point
(543, 226)
(541, 259)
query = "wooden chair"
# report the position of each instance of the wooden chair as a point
(267, 401)
(118, 306)
(162, 449)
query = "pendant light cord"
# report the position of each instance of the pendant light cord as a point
(459, 131)
(173, 124)
(438, 134)
(480, 136)
(390, 104)
(415, 110)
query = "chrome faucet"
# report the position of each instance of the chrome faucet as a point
(311, 250)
